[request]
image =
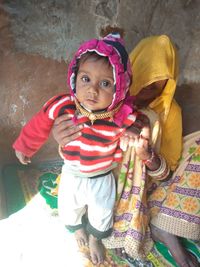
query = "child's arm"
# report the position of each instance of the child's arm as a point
(32, 136)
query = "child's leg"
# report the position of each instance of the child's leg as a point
(79, 232)
(101, 200)
(97, 252)
(81, 237)
(72, 205)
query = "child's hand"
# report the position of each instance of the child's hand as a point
(136, 132)
(127, 140)
(139, 140)
(22, 158)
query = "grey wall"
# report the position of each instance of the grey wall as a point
(55, 28)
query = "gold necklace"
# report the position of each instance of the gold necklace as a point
(99, 115)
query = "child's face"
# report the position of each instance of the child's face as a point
(95, 84)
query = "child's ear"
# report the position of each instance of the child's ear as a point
(111, 29)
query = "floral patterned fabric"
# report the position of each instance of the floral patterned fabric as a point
(175, 204)
(131, 221)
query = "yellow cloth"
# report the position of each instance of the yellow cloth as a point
(155, 59)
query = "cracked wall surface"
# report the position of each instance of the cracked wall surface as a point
(38, 37)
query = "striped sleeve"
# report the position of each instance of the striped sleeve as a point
(59, 105)
(35, 133)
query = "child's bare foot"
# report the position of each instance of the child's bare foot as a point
(81, 237)
(182, 257)
(96, 250)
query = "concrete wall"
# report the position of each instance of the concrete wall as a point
(37, 38)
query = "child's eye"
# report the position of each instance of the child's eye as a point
(105, 84)
(85, 79)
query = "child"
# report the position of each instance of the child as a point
(98, 77)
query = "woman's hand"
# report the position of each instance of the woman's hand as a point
(64, 131)
(144, 151)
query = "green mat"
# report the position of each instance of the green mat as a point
(21, 182)
(13, 192)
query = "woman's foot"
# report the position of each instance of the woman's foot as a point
(120, 252)
(182, 257)
(97, 253)
(81, 237)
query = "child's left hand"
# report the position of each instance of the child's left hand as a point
(22, 158)
(127, 140)
(139, 140)
(137, 135)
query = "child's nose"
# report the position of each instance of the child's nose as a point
(93, 88)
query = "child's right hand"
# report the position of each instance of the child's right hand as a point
(22, 158)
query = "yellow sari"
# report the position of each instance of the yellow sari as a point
(154, 59)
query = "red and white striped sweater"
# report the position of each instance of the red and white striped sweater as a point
(96, 150)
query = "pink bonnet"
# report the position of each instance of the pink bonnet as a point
(111, 46)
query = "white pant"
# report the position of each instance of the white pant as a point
(97, 193)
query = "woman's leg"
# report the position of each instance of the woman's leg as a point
(182, 257)
(175, 204)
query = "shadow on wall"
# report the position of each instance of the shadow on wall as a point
(188, 98)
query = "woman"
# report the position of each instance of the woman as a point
(154, 66)
(155, 59)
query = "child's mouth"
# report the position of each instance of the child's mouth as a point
(91, 101)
